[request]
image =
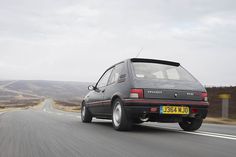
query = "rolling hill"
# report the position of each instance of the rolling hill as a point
(58, 90)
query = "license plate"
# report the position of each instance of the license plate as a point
(174, 110)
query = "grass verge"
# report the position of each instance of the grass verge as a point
(220, 121)
(15, 107)
(65, 106)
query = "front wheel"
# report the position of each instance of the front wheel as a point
(120, 120)
(86, 116)
(191, 124)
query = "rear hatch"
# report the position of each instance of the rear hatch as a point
(171, 90)
(169, 94)
(165, 80)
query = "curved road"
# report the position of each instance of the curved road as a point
(52, 133)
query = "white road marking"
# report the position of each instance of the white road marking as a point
(223, 136)
(217, 134)
(200, 133)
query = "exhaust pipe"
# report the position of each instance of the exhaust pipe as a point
(144, 117)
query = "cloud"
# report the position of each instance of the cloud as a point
(64, 39)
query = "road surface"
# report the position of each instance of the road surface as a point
(52, 133)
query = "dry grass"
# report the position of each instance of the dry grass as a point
(220, 121)
(65, 106)
(10, 109)
(38, 106)
(34, 104)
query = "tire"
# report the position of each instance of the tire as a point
(191, 124)
(120, 120)
(86, 116)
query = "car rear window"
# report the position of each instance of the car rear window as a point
(156, 71)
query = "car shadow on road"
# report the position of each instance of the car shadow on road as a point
(138, 128)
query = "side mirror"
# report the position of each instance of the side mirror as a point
(91, 88)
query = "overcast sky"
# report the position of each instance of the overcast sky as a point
(76, 40)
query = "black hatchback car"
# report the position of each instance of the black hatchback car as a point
(140, 90)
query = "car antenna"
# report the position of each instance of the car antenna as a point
(140, 51)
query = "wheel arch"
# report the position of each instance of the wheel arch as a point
(114, 97)
(82, 103)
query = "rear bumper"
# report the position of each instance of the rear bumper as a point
(137, 107)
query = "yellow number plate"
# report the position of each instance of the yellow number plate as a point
(174, 110)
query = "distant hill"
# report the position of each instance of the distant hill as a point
(59, 90)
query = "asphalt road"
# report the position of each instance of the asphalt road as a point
(52, 133)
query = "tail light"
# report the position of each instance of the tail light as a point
(136, 93)
(194, 110)
(204, 96)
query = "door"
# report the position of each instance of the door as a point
(112, 87)
(97, 96)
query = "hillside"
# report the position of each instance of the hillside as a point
(58, 90)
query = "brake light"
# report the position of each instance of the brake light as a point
(194, 110)
(204, 96)
(136, 93)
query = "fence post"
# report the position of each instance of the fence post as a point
(225, 105)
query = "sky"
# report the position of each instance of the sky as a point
(76, 40)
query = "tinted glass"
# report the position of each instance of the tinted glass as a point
(157, 71)
(103, 81)
(116, 73)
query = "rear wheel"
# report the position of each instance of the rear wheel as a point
(191, 124)
(86, 116)
(120, 120)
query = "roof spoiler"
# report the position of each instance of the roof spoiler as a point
(154, 61)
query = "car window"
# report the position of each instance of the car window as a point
(154, 71)
(172, 74)
(116, 73)
(159, 75)
(103, 81)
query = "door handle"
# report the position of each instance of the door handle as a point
(103, 90)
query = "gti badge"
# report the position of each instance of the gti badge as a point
(176, 94)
